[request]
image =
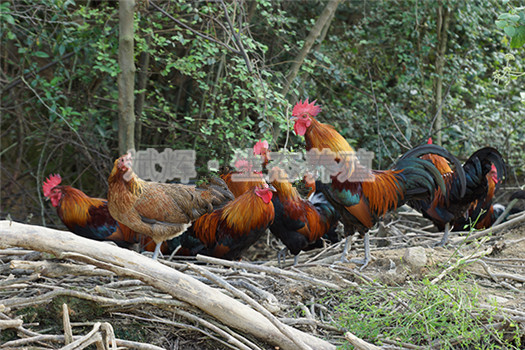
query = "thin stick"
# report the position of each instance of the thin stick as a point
(252, 303)
(267, 269)
(68, 332)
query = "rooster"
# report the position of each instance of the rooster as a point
(240, 182)
(243, 180)
(86, 216)
(360, 195)
(484, 215)
(159, 210)
(227, 232)
(484, 170)
(298, 223)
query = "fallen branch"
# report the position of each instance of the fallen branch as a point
(131, 264)
(491, 230)
(6, 324)
(219, 281)
(53, 269)
(359, 343)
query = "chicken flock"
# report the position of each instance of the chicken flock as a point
(224, 216)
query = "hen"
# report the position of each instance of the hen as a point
(239, 182)
(361, 195)
(159, 210)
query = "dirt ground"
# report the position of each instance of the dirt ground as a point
(495, 264)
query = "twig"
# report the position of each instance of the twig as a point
(68, 332)
(53, 269)
(49, 65)
(503, 215)
(491, 230)
(241, 50)
(6, 324)
(238, 40)
(252, 303)
(267, 269)
(460, 262)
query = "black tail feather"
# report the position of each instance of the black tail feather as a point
(434, 149)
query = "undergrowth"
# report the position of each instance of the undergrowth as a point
(442, 316)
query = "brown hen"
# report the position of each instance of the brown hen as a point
(160, 210)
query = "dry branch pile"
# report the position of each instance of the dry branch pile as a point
(117, 298)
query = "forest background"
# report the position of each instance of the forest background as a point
(215, 76)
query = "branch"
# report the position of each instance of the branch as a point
(204, 36)
(238, 41)
(49, 65)
(127, 263)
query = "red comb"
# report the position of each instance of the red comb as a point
(243, 165)
(429, 142)
(51, 182)
(260, 146)
(306, 108)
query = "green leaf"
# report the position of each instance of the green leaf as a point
(504, 16)
(9, 19)
(501, 24)
(510, 31)
(518, 39)
(40, 54)
(514, 18)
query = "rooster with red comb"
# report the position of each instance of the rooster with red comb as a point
(484, 171)
(364, 195)
(86, 216)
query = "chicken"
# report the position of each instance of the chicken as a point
(483, 170)
(227, 232)
(484, 214)
(360, 195)
(86, 216)
(298, 223)
(159, 210)
(239, 182)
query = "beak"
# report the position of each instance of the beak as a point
(271, 188)
(46, 199)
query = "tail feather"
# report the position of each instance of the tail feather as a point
(518, 195)
(219, 191)
(489, 156)
(434, 149)
(420, 177)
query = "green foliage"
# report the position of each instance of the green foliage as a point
(513, 24)
(374, 74)
(424, 314)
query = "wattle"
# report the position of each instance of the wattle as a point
(299, 128)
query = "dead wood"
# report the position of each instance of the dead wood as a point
(53, 269)
(360, 344)
(181, 286)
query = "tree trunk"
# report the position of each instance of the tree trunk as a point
(127, 263)
(442, 32)
(142, 82)
(126, 78)
(323, 21)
